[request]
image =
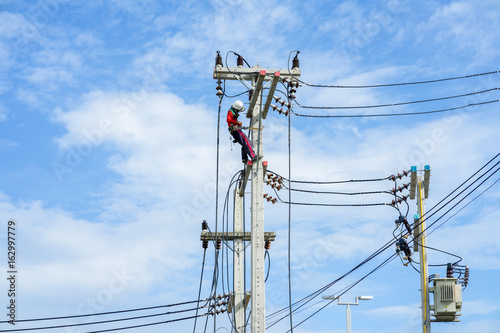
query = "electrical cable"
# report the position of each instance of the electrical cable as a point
(337, 193)
(266, 254)
(394, 114)
(146, 325)
(388, 84)
(306, 299)
(468, 194)
(106, 313)
(214, 288)
(385, 262)
(464, 206)
(332, 205)
(463, 183)
(431, 224)
(300, 303)
(290, 201)
(199, 289)
(427, 216)
(331, 182)
(394, 104)
(99, 322)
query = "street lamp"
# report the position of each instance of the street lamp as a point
(348, 310)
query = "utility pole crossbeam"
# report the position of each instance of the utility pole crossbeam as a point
(269, 236)
(257, 76)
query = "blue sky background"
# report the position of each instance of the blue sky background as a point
(108, 131)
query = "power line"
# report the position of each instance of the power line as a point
(394, 114)
(463, 198)
(393, 104)
(337, 193)
(101, 322)
(334, 205)
(332, 182)
(389, 84)
(145, 325)
(480, 194)
(309, 298)
(107, 313)
(427, 216)
(201, 283)
(385, 262)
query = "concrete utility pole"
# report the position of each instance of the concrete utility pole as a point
(420, 185)
(256, 112)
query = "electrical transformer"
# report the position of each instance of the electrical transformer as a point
(447, 299)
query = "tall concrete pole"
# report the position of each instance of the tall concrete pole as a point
(256, 112)
(238, 265)
(424, 270)
(257, 238)
(420, 187)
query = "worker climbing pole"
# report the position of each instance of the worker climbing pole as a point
(235, 126)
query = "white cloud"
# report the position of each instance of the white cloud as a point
(7, 145)
(49, 76)
(458, 26)
(15, 25)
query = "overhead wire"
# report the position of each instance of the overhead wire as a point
(308, 298)
(434, 111)
(462, 199)
(387, 84)
(336, 192)
(392, 104)
(103, 321)
(395, 114)
(464, 182)
(145, 325)
(399, 84)
(395, 104)
(214, 288)
(385, 262)
(106, 313)
(331, 182)
(480, 194)
(429, 215)
(199, 289)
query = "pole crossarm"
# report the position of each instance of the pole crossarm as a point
(229, 236)
(237, 73)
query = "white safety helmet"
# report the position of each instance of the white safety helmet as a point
(238, 106)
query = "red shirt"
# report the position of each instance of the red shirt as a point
(232, 120)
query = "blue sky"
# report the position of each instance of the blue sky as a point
(108, 132)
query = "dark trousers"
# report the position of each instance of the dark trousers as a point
(246, 146)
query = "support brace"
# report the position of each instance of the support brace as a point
(256, 93)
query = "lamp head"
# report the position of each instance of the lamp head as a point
(365, 298)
